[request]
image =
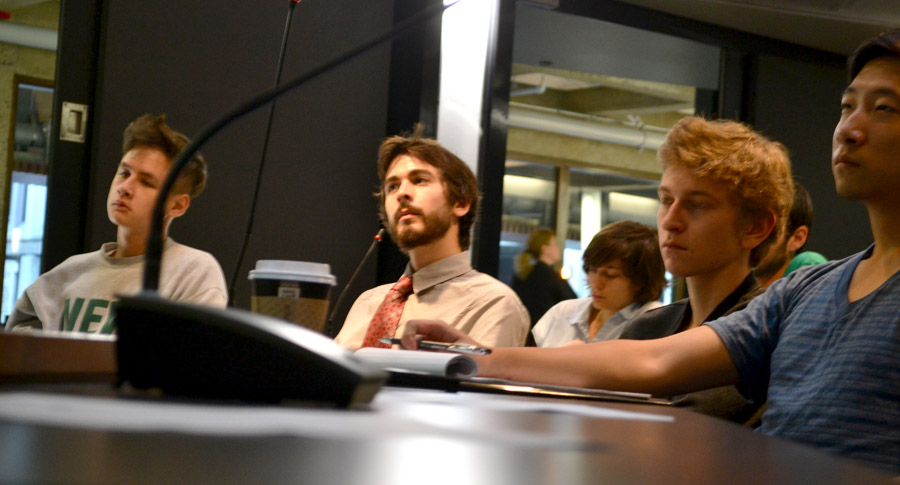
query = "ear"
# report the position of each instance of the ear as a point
(461, 209)
(757, 231)
(798, 239)
(178, 205)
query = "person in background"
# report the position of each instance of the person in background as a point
(79, 294)
(626, 277)
(537, 280)
(428, 203)
(787, 255)
(821, 346)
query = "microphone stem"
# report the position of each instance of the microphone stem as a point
(337, 304)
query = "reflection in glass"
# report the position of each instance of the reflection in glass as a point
(28, 193)
(591, 101)
(529, 202)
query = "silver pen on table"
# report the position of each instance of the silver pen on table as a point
(429, 345)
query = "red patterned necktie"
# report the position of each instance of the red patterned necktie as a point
(384, 322)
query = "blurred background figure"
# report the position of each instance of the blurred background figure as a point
(787, 254)
(537, 277)
(626, 277)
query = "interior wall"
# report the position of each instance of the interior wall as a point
(193, 61)
(797, 102)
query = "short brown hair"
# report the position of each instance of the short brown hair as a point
(801, 212)
(637, 247)
(150, 131)
(756, 170)
(885, 44)
(460, 186)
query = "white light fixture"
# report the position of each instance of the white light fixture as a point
(16, 239)
(591, 215)
(465, 32)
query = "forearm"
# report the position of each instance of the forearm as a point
(663, 367)
(589, 365)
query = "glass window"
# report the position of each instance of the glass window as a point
(529, 203)
(27, 193)
(594, 100)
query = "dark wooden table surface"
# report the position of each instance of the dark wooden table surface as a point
(416, 437)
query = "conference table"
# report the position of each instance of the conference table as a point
(95, 433)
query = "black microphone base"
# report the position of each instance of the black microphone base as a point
(203, 352)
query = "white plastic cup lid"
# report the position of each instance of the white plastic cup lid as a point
(279, 269)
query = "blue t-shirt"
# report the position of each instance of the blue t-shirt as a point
(830, 369)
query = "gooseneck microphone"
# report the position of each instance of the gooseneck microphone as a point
(153, 257)
(377, 239)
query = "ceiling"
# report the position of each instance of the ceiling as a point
(836, 26)
(596, 94)
(40, 14)
(621, 78)
(13, 5)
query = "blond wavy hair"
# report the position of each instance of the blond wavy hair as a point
(756, 170)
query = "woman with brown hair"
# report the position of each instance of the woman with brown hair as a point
(626, 277)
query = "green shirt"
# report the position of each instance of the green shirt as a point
(806, 258)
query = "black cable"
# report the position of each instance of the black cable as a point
(262, 159)
(153, 259)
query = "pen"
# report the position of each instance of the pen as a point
(429, 345)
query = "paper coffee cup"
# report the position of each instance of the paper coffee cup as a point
(296, 291)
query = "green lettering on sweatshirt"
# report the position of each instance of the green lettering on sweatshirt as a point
(89, 315)
(69, 316)
(110, 325)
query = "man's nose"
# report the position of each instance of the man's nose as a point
(851, 129)
(671, 219)
(404, 190)
(126, 186)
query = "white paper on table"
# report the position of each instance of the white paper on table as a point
(437, 363)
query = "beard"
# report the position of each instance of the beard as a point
(774, 260)
(434, 227)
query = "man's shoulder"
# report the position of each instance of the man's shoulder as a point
(657, 322)
(182, 254)
(377, 292)
(676, 307)
(177, 249)
(76, 263)
(483, 282)
(828, 272)
(665, 313)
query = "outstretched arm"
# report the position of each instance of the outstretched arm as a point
(688, 361)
